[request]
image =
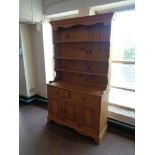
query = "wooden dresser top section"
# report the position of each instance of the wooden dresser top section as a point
(87, 20)
(84, 89)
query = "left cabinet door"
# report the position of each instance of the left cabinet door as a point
(54, 107)
(70, 112)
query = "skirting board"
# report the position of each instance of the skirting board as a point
(121, 128)
(32, 99)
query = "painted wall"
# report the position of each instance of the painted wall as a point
(30, 10)
(38, 59)
(28, 60)
(22, 80)
(33, 59)
(53, 7)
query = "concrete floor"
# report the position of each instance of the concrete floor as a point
(37, 137)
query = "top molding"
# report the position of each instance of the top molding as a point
(87, 20)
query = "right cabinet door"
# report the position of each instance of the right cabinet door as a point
(88, 111)
(90, 118)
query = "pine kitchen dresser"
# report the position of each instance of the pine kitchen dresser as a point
(77, 98)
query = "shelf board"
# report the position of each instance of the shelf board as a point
(85, 89)
(87, 73)
(80, 41)
(81, 59)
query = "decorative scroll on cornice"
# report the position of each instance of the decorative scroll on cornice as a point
(88, 20)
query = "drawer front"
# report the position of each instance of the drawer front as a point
(82, 98)
(56, 92)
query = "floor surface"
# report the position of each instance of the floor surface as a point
(37, 137)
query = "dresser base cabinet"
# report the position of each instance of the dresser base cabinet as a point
(86, 114)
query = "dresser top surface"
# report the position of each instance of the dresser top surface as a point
(85, 89)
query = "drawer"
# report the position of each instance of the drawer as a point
(84, 98)
(56, 92)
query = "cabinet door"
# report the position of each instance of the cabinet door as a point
(70, 112)
(54, 107)
(88, 111)
(89, 118)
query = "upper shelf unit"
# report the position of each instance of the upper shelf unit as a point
(81, 50)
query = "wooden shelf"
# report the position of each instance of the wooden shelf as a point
(85, 89)
(80, 41)
(67, 58)
(87, 73)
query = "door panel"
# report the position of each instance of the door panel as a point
(70, 111)
(54, 107)
(89, 118)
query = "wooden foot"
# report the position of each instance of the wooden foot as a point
(98, 139)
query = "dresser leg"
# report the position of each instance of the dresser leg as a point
(99, 138)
